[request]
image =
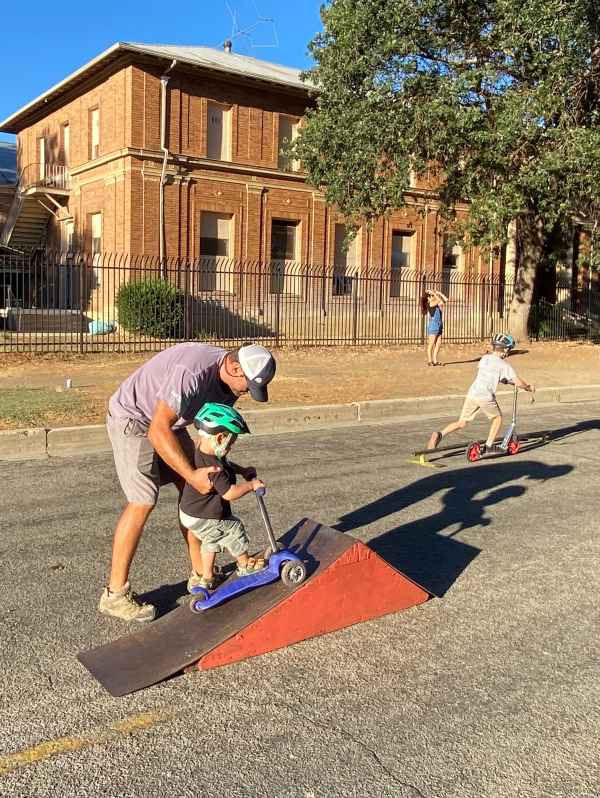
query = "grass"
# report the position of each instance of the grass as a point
(40, 407)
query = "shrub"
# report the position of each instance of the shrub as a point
(151, 307)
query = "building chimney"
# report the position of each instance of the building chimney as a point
(227, 45)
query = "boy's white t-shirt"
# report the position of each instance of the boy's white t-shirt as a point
(491, 370)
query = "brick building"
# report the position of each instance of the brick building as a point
(193, 136)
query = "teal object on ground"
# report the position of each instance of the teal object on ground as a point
(99, 327)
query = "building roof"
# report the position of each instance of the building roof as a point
(8, 164)
(203, 57)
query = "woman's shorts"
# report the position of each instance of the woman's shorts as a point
(217, 535)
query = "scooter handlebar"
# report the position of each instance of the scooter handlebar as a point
(260, 491)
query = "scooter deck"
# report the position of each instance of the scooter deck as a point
(241, 584)
(462, 447)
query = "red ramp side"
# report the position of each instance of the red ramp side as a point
(357, 586)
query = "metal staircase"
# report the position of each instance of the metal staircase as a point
(40, 190)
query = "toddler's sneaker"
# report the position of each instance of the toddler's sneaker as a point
(125, 604)
(213, 583)
(253, 565)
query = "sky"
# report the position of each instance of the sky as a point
(44, 42)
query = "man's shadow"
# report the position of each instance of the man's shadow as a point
(425, 549)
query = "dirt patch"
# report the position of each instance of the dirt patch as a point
(304, 376)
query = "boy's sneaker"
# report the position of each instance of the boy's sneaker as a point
(489, 449)
(125, 604)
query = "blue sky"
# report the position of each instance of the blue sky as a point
(44, 42)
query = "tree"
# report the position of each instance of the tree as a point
(499, 97)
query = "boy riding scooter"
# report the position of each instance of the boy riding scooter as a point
(482, 393)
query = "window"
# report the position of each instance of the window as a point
(452, 257)
(67, 236)
(219, 132)
(94, 150)
(215, 243)
(284, 243)
(66, 143)
(344, 261)
(288, 131)
(401, 259)
(96, 227)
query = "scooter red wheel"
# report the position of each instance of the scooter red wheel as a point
(473, 452)
(514, 445)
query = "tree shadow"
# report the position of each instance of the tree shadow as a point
(210, 318)
(477, 359)
(423, 549)
(563, 433)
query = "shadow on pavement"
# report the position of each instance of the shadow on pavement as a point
(166, 597)
(422, 549)
(477, 359)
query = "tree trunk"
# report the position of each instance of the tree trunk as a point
(531, 237)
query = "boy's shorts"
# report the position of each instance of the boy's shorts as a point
(472, 406)
(217, 535)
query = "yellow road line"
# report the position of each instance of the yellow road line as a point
(65, 745)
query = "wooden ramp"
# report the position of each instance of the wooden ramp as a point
(347, 583)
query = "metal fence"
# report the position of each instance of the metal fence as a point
(52, 302)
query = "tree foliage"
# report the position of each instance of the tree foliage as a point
(500, 97)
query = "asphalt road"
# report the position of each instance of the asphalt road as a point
(490, 689)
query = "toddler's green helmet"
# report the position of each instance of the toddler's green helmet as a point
(213, 418)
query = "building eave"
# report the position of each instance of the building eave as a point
(24, 116)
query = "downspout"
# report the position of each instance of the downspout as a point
(164, 79)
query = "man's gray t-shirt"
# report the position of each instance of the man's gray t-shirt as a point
(185, 376)
(491, 370)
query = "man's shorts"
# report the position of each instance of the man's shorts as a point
(217, 535)
(472, 406)
(141, 471)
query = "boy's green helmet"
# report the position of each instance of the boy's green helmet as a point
(213, 418)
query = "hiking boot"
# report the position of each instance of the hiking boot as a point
(124, 604)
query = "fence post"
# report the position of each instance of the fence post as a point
(355, 313)
(277, 315)
(422, 318)
(482, 313)
(82, 293)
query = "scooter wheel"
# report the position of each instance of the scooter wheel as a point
(198, 599)
(293, 573)
(473, 452)
(514, 445)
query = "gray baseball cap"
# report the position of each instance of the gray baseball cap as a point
(258, 365)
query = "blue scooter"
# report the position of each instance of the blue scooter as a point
(283, 564)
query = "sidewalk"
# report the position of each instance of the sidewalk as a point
(32, 395)
(313, 389)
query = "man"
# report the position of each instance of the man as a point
(146, 422)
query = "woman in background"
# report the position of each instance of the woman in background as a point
(432, 303)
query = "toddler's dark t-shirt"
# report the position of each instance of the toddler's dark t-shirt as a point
(209, 505)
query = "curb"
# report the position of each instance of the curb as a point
(39, 443)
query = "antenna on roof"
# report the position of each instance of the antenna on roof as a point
(248, 32)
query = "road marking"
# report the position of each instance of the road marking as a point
(65, 745)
